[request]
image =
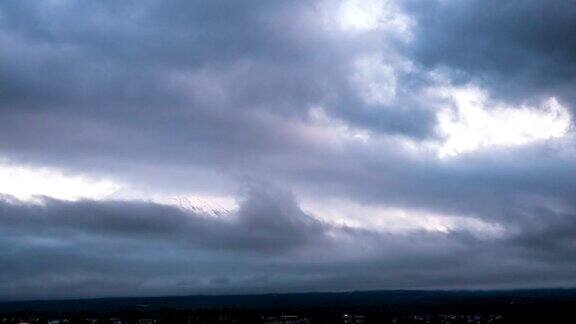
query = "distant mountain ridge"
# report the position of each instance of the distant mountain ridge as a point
(300, 300)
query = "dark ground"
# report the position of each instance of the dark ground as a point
(520, 306)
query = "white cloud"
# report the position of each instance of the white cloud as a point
(27, 183)
(209, 205)
(475, 122)
(374, 80)
(398, 220)
(367, 15)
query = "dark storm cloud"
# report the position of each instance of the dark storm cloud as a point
(495, 185)
(159, 76)
(519, 49)
(89, 248)
(267, 222)
(173, 95)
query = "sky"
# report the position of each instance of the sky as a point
(179, 147)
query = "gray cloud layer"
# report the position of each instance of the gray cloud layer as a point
(89, 248)
(176, 95)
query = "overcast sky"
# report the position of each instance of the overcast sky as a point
(175, 147)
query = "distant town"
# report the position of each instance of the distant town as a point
(387, 307)
(231, 317)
